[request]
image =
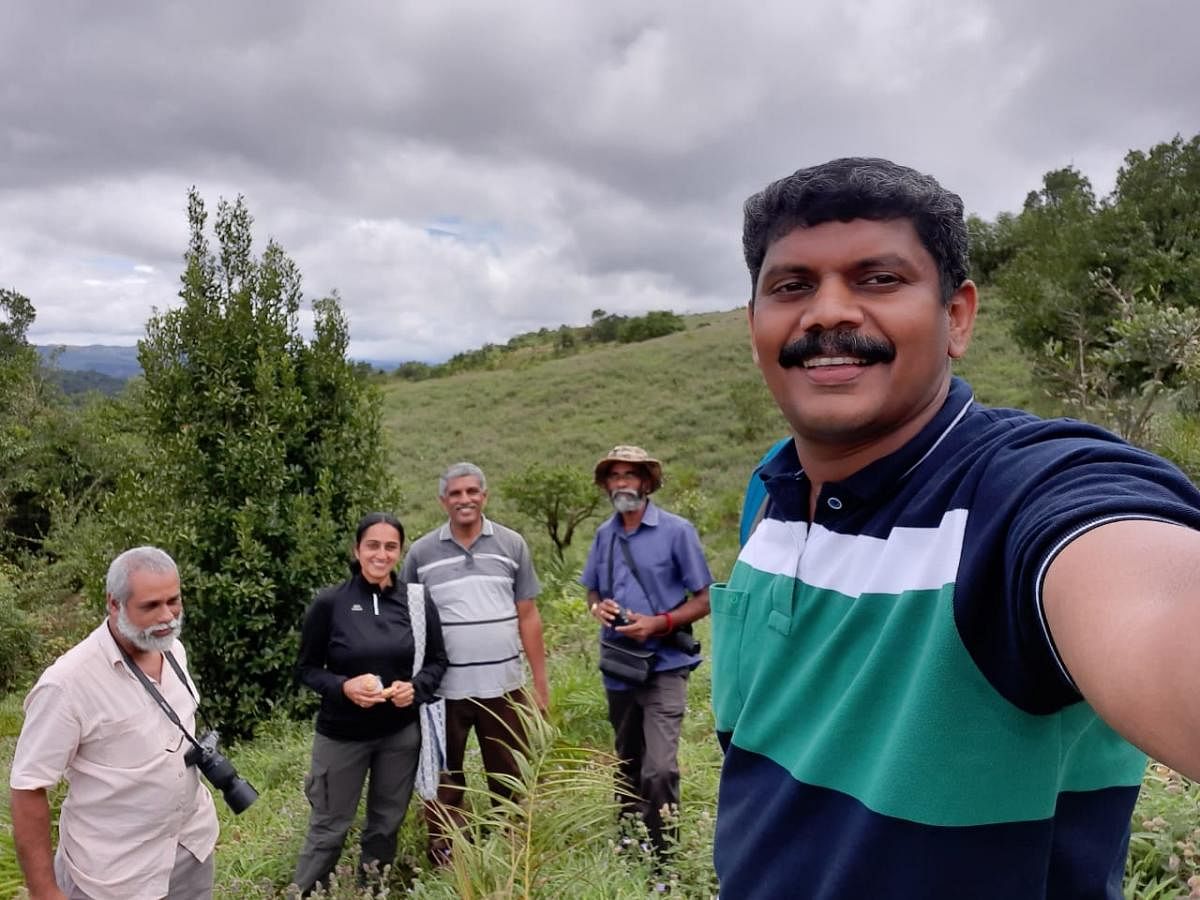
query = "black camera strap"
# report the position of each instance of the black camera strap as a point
(627, 555)
(153, 691)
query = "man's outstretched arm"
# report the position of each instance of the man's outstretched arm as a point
(1122, 602)
(31, 837)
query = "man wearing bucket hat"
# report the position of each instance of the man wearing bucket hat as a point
(647, 582)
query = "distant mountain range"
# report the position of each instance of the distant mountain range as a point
(116, 362)
(120, 362)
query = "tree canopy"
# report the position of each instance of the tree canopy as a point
(1105, 293)
(265, 448)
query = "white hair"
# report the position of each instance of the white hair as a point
(459, 470)
(139, 559)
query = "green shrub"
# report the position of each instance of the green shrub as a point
(18, 637)
(265, 448)
(653, 324)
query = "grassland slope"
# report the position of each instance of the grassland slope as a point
(694, 399)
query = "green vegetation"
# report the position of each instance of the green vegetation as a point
(264, 447)
(1105, 294)
(537, 346)
(248, 452)
(693, 399)
(561, 498)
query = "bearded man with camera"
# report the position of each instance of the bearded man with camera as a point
(115, 716)
(647, 582)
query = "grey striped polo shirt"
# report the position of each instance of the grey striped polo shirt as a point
(475, 589)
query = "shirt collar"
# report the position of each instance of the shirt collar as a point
(649, 516)
(112, 652)
(444, 533)
(108, 644)
(788, 486)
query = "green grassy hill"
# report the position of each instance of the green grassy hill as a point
(694, 399)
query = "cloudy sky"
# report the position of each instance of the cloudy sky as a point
(462, 172)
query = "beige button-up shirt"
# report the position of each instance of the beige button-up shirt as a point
(131, 799)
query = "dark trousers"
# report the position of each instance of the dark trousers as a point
(498, 729)
(646, 721)
(334, 785)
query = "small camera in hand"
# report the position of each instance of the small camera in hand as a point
(221, 774)
(619, 618)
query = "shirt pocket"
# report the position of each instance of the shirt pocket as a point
(133, 742)
(728, 627)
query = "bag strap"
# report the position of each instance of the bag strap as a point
(754, 503)
(637, 576)
(612, 548)
(156, 696)
(416, 619)
(631, 565)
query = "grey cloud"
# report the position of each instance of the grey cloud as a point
(592, 155)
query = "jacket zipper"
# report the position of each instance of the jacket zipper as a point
(375, 597)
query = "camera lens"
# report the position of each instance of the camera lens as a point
(221, 774)
(239, 794)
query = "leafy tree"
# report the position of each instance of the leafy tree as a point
(652, 325)
(559, 498)
(605, 327)
(18, 366)
(1047, 283)
(1106, 294)
(41, 452)
(1152, 351)
(414, 371)
(992, 245)
(1153, 224)
(565, 340)
(265, 448)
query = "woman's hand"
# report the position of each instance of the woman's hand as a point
(364, 690)
(400, 692)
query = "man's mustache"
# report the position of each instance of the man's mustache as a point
(835, 343)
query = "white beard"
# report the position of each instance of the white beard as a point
(143, 638)
(627, 501)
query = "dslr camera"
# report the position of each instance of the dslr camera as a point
(221, 774)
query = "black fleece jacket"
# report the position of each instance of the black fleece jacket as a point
(357, 627)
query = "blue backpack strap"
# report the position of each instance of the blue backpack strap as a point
(754, 504)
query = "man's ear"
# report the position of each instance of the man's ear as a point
(961, 310)
(750, 323)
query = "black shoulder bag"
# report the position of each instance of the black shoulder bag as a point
(621, 657)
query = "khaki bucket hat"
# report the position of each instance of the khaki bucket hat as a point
(629, 454)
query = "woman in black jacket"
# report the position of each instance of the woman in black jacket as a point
(356, 651)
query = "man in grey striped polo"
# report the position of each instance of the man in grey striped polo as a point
(480, 576)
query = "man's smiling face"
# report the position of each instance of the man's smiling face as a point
(850, 331)
(464, 501)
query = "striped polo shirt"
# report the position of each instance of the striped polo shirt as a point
(475, 589)
(897, 722)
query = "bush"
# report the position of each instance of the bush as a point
(558, 499)
(652, 325)
(265, 448)
(18, 637)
